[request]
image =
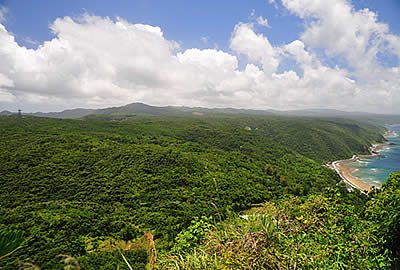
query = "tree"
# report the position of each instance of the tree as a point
(384, 211)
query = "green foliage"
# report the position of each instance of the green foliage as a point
(320, 233)
(64, 182)
(112, 260)
(384, 211)
(10, 241)
(322, 139)
(193, 235)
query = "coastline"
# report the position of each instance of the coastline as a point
(345, 172)
(390, 134)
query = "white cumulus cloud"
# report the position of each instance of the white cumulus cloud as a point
(263, 21)
(255, 46)
(96, 62)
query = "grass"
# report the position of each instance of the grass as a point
(320, 233)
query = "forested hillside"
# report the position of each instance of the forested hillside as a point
(321, 139)
(325, 231)
(84, 187)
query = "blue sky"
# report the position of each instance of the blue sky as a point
(183, 21)
(216, 25)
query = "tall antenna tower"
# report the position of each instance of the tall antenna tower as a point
(19, 113)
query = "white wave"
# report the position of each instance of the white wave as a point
(363, 162)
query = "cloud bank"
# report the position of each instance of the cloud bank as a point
(96, 62)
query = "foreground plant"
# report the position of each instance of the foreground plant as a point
(384, 211)
(320, 233)
(10, 241)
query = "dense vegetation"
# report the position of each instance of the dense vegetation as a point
(384, 211)
(323, 232)
(88, 187)
(321, 139)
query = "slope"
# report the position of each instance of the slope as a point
(70, 184)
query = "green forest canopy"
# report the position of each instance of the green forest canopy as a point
(72, 184)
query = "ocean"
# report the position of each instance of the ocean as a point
(374, 171)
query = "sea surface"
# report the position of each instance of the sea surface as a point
(374, 171)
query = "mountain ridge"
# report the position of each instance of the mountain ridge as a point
(138, 107)
(145, 109)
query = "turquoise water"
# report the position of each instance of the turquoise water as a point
(374, 171)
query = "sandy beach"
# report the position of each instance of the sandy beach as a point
(345, 172)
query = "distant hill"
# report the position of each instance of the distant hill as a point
(385, 119)
(144, 109)
(6, 113)
(74, 113)
(137, 108)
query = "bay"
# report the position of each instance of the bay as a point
(374, 171)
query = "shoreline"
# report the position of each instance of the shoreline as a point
(345, 172)
(390, 134)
